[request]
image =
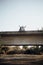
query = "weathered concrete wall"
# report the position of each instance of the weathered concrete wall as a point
(18, 40)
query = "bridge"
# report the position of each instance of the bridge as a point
(21, 37)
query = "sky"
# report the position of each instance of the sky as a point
(16, 13)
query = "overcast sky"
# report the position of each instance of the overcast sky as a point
(27, 13)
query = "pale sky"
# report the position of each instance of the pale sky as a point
(27, 13)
